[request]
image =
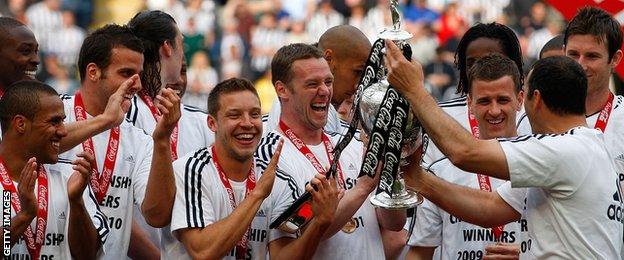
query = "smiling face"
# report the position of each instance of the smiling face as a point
(238, 124)
(124, 63)
(593, 55)
(18, 56)
(309, 93)
(47, 129)
(495, 104)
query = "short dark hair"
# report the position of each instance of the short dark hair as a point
(6, 24)
(153, 28)
(562, 84)
(97, 47)
(492, 67)
(556, 43)
(597, 22)
(286, 56)
(226, 87)
(22, 98)
(503, 34)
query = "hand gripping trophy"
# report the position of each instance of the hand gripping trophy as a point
(393, 134)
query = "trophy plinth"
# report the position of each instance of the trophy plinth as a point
(402, 198)
(395, 35)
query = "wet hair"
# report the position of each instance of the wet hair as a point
(555, 43)
(22, 98)
(153, 28)
(226, 87)
(287, 55)
(597, 22)
(492, 67)
(98, 46)
(495, 31)
(562, 84)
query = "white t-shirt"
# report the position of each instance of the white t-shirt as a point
(295, 171)
(193, 134)
(457, 109)
(573, 195)
(271, 120)
(56, 245)
(201, 199)
(128, 182)
(454, 238)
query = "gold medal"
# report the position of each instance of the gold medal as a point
(350, 226)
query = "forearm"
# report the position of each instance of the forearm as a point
(478, 207)
(211, 243)
(393, 220)
(78, 132)
(160, 190)
(305, 246)
(348, 205)
(82, 235)
(141, 247)
(420, 253)
(19, 223)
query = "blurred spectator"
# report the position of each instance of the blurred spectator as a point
(201, 78)
(266, 39)
(377, 19)
(440, 75)
(324, 18)
(194, 40)
(418, 12)
(60, 78)
(44, 18)
(358, 17)
(297, 9)
(15, 9)
(448, 24)
(298, 33)
(232, 50)
(266, 92)
(65, 43)
(202, 15)
(424, 43)
(539, 37)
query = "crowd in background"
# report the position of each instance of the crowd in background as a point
(237, 38)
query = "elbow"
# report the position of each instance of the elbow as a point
(461, 156)
(203, 253)
(156, 218)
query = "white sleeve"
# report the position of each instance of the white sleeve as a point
(543, 162)
(99, 220)
(428, 228)
(142, 170)
(515, 197)
(283, 195)
(192, 207)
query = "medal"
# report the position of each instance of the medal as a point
(350, 226)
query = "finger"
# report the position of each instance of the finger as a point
(166, 101)
(123, 88)
(85, 172)
(276, 155)
(87, 156)
(393, 52)
(500, 257)
(163, 110)
(82, 163)
(502, 249)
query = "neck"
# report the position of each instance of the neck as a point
(234, 169)
(557, 124)
(13, 161)
(596, 100)
(307, 134)
(94, 103)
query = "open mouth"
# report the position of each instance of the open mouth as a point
(245, 138)
(56, 145)
(30, 73)
(319, 107)
(495, 121)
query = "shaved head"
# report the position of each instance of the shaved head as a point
(346, 49)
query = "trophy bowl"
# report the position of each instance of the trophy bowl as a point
(401, 197)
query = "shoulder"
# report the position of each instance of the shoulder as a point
(136, 134)
(267, 147)
(194, 161)
(194, 110)
(455, 102)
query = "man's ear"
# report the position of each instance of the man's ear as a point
(166, 49)
(212, 123)
(280, 89)
(20, 123)
(615, 60)
(93, 72)
(520, 96)
(329, 56)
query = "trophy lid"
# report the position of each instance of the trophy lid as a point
(395, 35)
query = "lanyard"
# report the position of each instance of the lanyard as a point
(99, 182)
(250, 184)
(33, 244)
(307, 153)
(484, 180)
(174, 135)
(603, 117)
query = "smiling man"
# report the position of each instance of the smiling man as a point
(128, 163)
(19, 54)
(494, 97)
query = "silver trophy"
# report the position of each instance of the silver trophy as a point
(371, 99)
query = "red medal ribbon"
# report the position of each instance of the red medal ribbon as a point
(1, 93)
(250, 184)
(34, 241)
(303, 148)
(99, 182)
(484, 180)
(603, 117)
(174, 135)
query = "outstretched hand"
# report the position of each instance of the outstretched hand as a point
(265, 184)
(79, 180)
(403, 75)
(26, 188)
(168, 103)
(119, 102)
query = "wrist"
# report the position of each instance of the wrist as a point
(26, 215)
(103, 122)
